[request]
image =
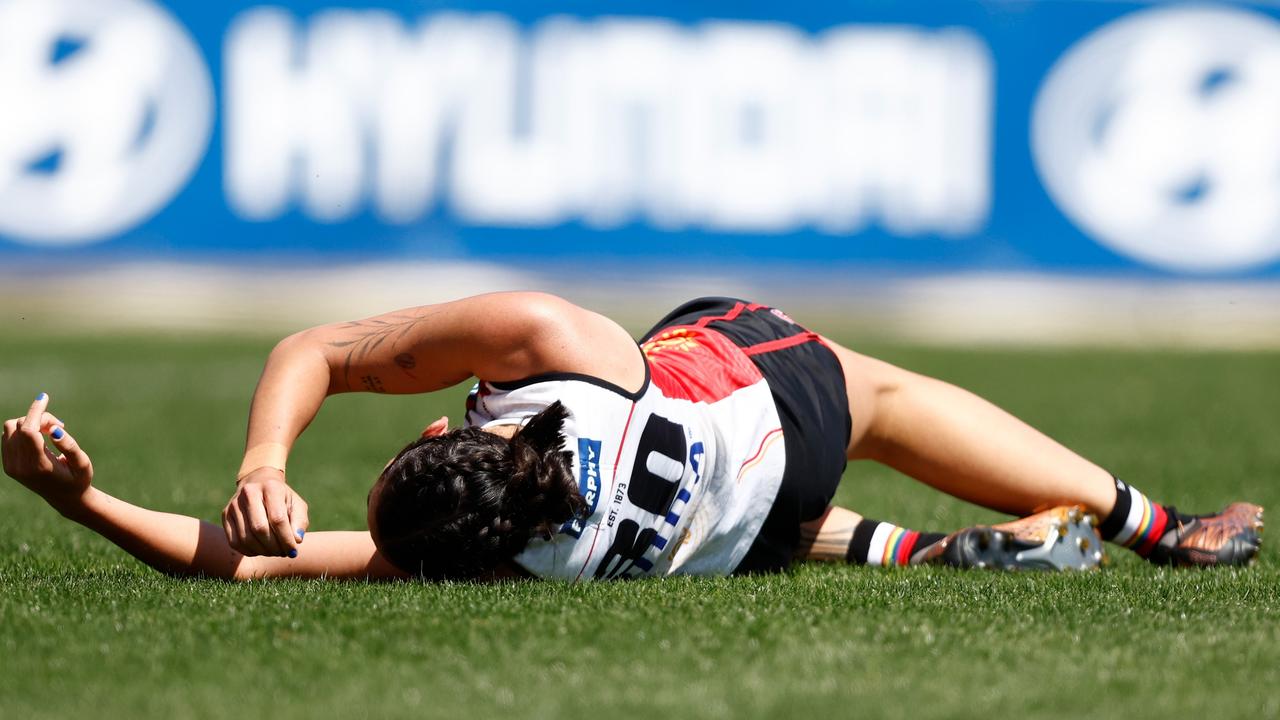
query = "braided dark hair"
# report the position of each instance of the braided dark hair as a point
(457, 505)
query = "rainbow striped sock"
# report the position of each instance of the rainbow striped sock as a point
(881, 543)
(1135, 522)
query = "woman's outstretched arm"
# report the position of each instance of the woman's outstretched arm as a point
(186, 546)
(173, 544)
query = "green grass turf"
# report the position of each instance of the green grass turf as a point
(86, 630)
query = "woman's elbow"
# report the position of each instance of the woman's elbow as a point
(300, 341)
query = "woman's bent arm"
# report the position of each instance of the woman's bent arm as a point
(502, 336)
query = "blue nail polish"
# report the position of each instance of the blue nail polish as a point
(293, 553)
(41, 396)
(301, 534)
(57, 433)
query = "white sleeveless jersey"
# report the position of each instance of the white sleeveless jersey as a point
(678, 477)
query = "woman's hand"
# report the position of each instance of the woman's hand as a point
(61, 479)
(265, 516)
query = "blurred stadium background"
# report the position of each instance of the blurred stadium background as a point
(968, 171)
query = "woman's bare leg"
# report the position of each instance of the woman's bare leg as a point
(961, 444)
(827, 538)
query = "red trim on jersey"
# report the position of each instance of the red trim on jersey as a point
(729, 316)
(698, 364)
(781, 343)
(612, 484)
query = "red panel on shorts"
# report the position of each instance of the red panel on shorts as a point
(698, 364)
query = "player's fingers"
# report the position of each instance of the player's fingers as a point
(47, 420)
(76, 458)
(231, 533)
(32, 420)
(228, 530)
(300, 515)
(230, 523)
(9, 459)
(245, 542)
(255, 515)
(27, 443)
(276, 502)
(249, 544)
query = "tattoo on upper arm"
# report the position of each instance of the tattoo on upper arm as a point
(407, 363)
(367, 336)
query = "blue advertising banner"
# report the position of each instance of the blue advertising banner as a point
(1080, 137)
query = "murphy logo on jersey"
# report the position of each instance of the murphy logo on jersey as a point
(588, 483)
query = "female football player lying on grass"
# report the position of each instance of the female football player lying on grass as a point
(714, 448)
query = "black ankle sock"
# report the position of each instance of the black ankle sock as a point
(881, 543)
(1136, 522)
(928, 538)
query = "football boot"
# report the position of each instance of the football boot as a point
(1061, 538)
(1231, 537)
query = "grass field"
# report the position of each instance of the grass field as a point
(87, 631)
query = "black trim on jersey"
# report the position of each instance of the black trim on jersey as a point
(589, 379)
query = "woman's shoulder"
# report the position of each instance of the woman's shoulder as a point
(570, 340)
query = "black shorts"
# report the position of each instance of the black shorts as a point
(809, 390)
